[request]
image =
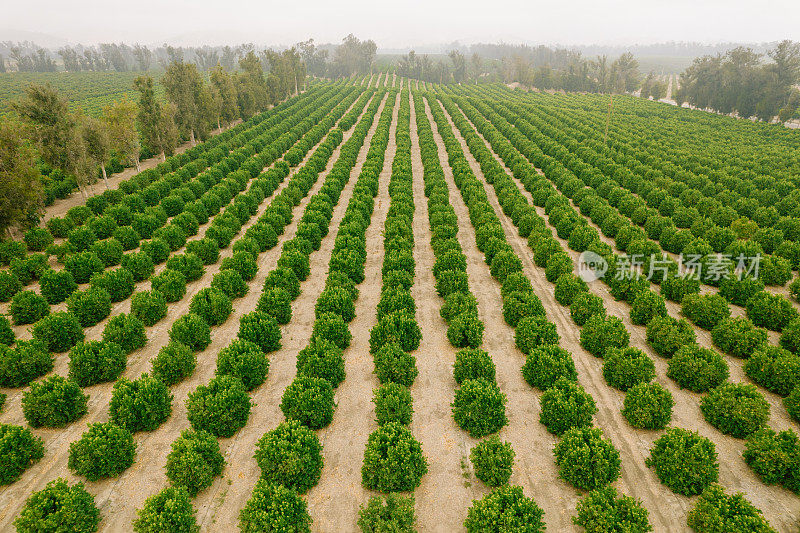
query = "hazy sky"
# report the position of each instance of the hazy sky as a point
(400, 23)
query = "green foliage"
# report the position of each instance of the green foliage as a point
(310, 401)
(624, 368)
(392, 364)
(393, 403)
(58, 331)
(646, 306)
(473, 363)
(187, 264)
(518, 305)
(174, 363)
(118, 283)
(6, 333)
(648, 406)
(587, 460)
(19, 450)
(222, 407)
(321, 359)
(59, 507)
(533, 332)
(274, 508)
(194, 461)
(38, 239)
(56, 286)
(666, 335)
(10, 285)
(170, 283)
(504, 263)
(109, 251)
(89, 306)
(284, 278)
(125, 330)
(168, 510)
(675, 287)
(735, 409)
(231, 283)
(149, 307)
(775, 457)
(568, 287)
(93, 362)
(603, 511)
(506, 510)
(244, 360)
(139, 264)
(290, 455)
(566, 405)
(684, 461)
(774, 368)
(792, 403)
(771, 311)
(738, 290)
(790, 336)
(738, 336)
(479, 407)
(393, 460)
(465, 331)
(24, 363)
(104, 450)
(493, 461)
(393, 513)
(53, 402)
(547, 364)
(212, 305)
(584, 306)
(261, 329)
(705, 310)
(398, 327)
(275, 301)
(697, 369)
(206, 249)
(28, 307)
(192, 331)
(140, 405)
(246, 265)
(716, 512)
(602, 333)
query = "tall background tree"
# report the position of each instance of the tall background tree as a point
(21, 197)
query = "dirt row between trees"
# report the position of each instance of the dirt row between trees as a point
(119, 498)
(668, 511)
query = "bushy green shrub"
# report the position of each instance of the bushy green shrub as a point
(505, 509)
(290, 455)
(697, 369)
(684, 461)
(194, 461)
(157, 249)
(398, 327)
(390, 513)
(170, 283)
(775, 457)
(10, 285)
(493, 461)
(646, 306)
(61, 506)
(212, 305)
(393, 403)
(603, 511)
(83, 265)
(206, 249)
(792, 403)
(736, 409)
(465, 331)
(566, 405)
(393, 460)
(82, 238)
(774, 368)
(139, 264)
(57, 285)
(118, 283)
(19, 450)
(6, 333)
(547, 364)
(393, 299)
(222, 407)
(533, 332)
(261, 329)
(38, 239)
(674, 287)
(602, 333)
(284, 278)
(473, 363)
(705, 310)
(104, 450)
(738, 290)
(648, 406)
(790, 336)
(187, 264)
(738, 336)
(168, 510)
(310, 401)
(149, 307)
(393, 364)
(94, 362)
(568, 287)
(125, 330)
(28, 307)
(518, 305)
(771, 311)
(24, 363)
(585, 459)
(192, 331)
(479, 407)
(626, 367)
(244, 360)
(109, 251)
(666, 335)
(231, 284)
(274, 508)
(89, 306)
(321, 359)
(58, 331)
(450, 281)
(584, 306)
(53, 402)
(140, 405)
(716, 512)
(174, 363)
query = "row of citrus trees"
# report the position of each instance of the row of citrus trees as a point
(220, 407)
(684, 461)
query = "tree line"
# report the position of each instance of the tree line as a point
(42, 134)
(745, 82)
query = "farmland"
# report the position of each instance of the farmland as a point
(379, 288)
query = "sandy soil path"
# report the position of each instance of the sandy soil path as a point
(667, 510)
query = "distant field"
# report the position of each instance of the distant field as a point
(89, 91)
(664, 64)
